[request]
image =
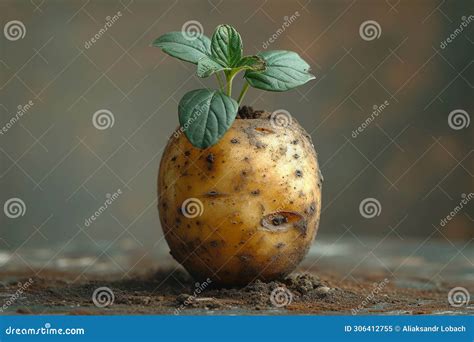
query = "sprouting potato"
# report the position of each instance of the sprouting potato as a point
(245, 208)
(239, 200)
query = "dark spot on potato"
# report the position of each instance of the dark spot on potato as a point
(296, 156)
(280, 245)
(174, 158)
(245, 257)
(299, 173)
(187, 153)
(312, 208)
(214, 243)
(210, 158)
(215, 194)
(255, 192)
(264, 130)
(234, 141)
(295, 142)
(281, 221)
(302, 226)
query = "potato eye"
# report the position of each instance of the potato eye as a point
(282, 221)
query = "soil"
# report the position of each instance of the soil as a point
(247, 112)
(174, 292)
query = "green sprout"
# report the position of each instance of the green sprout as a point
(212, 112)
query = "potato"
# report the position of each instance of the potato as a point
(246, 208)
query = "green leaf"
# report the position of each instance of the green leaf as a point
(226, 46)
(207, 66)
(254, 63)
(285, 70)
(183, 46)
(205, 115)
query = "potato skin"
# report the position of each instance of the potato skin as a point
(260, 189)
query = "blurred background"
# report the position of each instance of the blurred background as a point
(414, 157)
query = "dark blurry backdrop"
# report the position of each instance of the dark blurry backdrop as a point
(408, 158)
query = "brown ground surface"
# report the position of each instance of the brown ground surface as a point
(167, 292)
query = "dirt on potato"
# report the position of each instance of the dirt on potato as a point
(174, 292)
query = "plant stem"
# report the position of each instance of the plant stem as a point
(230, 77)
(243, 92)
(219, 80)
